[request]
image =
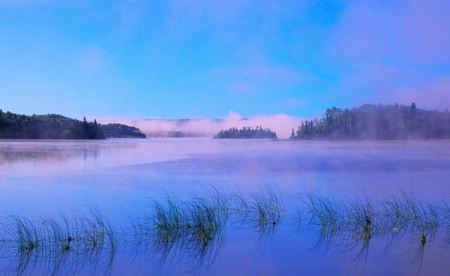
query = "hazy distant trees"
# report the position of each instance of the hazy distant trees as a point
(377, 122)
(247, 133)
(53, 126)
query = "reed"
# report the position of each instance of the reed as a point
(197, 226)
(325, 213)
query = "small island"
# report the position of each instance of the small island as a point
(121, 131)
(246, 133)
(54, 126)
(377, 122)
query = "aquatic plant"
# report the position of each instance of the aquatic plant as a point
(27, 233)
(326, 214)
(267, 210)
(194, 228)
(403, 213)
(52, 242)
(262, 212)
(361, 219)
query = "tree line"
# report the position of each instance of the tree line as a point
(54, 126)
(247, 133)
(377, 122)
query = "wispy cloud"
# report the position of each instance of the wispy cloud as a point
(265, 72)
(92, 60)
(19, 3)
(241, 87)
(293, 102)
(229, 12)
(405, 31)
(434, 95)
(393, 46)
(256, 78)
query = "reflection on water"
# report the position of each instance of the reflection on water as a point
(62, 246)
(190, 234)
(262, 221)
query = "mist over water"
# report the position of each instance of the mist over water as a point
(282, 124)
(356, 180)
(120, 178)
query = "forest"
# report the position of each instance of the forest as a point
(377, 122)
(247, 133)
(121, 131)
(54, 126)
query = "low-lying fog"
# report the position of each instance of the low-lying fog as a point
(282, 124)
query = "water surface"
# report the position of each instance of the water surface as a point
(120, 177)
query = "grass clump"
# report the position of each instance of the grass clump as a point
(267, 209)
(326, 214)
(170, 220)
(362, 219)
(95, 233)
(262, 212)
(195, 225)
(207, 220)
(28, 235)
(403, 213)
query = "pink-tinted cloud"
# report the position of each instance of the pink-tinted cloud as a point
(280, 123)
(410, 31)
(434, 95)
(387, 47)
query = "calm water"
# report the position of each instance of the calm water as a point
(120, 178)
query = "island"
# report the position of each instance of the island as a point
(377, 122)
(55, 126)
(121, 131)
(246, 133)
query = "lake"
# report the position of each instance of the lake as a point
(48, 183)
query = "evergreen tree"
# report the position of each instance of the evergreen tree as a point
(247, 133)
(377, 122)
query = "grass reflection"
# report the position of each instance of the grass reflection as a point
(192, 231)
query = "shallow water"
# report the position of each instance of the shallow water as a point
(44, 179)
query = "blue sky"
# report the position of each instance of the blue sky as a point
(177, 59)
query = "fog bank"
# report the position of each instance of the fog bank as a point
(280, 123)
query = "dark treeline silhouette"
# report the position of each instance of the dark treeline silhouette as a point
(377, 122)
(247, 133)
(53, 126)
(121, 131)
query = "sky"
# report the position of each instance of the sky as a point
(210, 59)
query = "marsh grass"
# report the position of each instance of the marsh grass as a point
(195, 228)
(327, 215)
(27, 233)
(55, 242)
(360, 226)
(416, 218)
(262, 212)
(192, 226)
(354, 224)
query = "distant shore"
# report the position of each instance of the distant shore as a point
(55, 126)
